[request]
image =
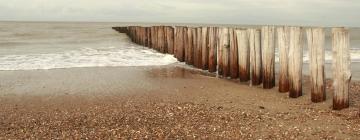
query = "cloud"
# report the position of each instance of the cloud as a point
(303, 12)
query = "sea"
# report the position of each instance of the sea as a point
(53, 45)
(33, 46)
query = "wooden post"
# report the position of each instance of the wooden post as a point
(316, 44)
(212, 36)
(341, 67)
(153, 37)
(198, 53)
(170, 39)
(161, 40)
(142, 36)
(148, 36)
(268, 56)
(194, 46)
(190, 49)
(223, 53)
(156, 45)
(295, 62)
(283, 35)
(179, 43)
(255, 56)
(130, 33)
(186, 46)
(244, 55)
(137, 35)
(204, 49)
(219, 50)
(234, 65)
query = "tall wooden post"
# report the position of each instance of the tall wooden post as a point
(153, 37)
(198, 53)
(137, 35)
(156, 37)
(212, 48)
(143, 36)
(148, 36)
(161, 40)
(170, 39)
(131, 33)
(295, 62)
(190, 48)
(194, 46)
(179, 43)
(316, 45)
(223, 52)
(234, 65)
(341, 67)
(255, 56)
(204, 49)
(268, 56)
(185, 39)
(186, 46)
(283, 35)
(244, 54)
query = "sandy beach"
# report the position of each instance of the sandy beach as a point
(168, 102)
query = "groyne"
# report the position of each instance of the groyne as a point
(248, 54)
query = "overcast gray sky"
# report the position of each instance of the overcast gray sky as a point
(295, 12)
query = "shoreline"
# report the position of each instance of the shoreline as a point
(355, 69)
(162, 102)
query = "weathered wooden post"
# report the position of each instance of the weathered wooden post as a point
(158, 42)
(268, 56)
(194, 46)
(170, 39)
(204, 49)
(234, 65)
(244, 54)
(198, 49)
(224, 52)
(220, 43)
(179, 43)
(255, 56)
(137, 35)
(148, 37)
(130, 33)
(190, 49)
(143, 36)
(283, 35)
(133, 34)
(316, 45)
(295, 62)
(154, 37)
(341, 67)
(212, 36)
(186, 47)
(161, 40)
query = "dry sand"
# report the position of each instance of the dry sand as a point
(161, 102)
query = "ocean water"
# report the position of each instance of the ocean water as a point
(32, 45)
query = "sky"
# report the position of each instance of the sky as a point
(278, 12)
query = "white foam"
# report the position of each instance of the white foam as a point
(87, 57)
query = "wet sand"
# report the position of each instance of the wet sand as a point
(161, 102)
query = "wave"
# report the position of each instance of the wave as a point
(87, 57)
